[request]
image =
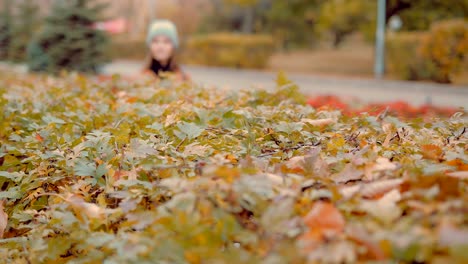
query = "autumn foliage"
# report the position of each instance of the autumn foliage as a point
(438, 54)
(102, 170)
(398, 108)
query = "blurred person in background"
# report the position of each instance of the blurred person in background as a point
(163, 43)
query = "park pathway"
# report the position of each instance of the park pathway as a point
(368, 90)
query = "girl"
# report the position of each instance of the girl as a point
(163, 42)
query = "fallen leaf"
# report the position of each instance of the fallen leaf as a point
(371, 190)
(449, 235)
(374, 170)
(459, 174)
(3, 218)
(384, 209)
(349, 173)
(360, 236)
(431, 151)
(195, 149)
(39, 138)
(334, 252)
(319, 122)
(324, 220)
(81, 207)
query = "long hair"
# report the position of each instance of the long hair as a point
(172, 67)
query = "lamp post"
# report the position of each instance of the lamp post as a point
(379, 68)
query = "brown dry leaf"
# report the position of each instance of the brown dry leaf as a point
(81, 207)
(349, 173)
(310, 163)
(388, 130)
(384, 209)
(371, 190)
(195, 149)
(3, 219)
(324, 220)
(318, 122)
(373, 171)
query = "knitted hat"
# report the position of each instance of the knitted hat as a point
(165, 28)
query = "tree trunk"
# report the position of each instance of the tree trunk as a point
(248, 20)
(338, 38)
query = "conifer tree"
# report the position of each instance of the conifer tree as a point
(68, 40)
(25, 24)
(5, 28)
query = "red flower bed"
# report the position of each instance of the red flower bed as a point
(397, 108)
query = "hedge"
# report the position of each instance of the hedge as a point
(404, 59)
(230, 50)
(128, 49)
(436, 55)
(446, 49)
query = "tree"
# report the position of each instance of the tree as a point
(26, 23)
(68, 40)
(292, 22)
(248, 13)
(420, 14)
(341, 18)
(5, 28)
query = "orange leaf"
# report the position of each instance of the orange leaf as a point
(431, 151)
(462, 166)
(324, 216)
(323, 220)
(39, 138)
(131, 100)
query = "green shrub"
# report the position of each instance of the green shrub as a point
(229, 50)
(435, 55)
(445, 49)
(404, 59)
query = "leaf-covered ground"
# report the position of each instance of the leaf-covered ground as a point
(95, 171)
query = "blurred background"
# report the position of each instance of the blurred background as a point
(426, 39)
(327, 47)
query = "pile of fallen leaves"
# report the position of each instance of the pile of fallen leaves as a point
(95, 171)
(400, 109)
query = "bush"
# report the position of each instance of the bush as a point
(404, 59)
(446, 49)
(230, 50)
(436, 55)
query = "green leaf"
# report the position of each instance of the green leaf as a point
(189, 130)
(13, 176)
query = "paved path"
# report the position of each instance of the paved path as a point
(368, 90)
